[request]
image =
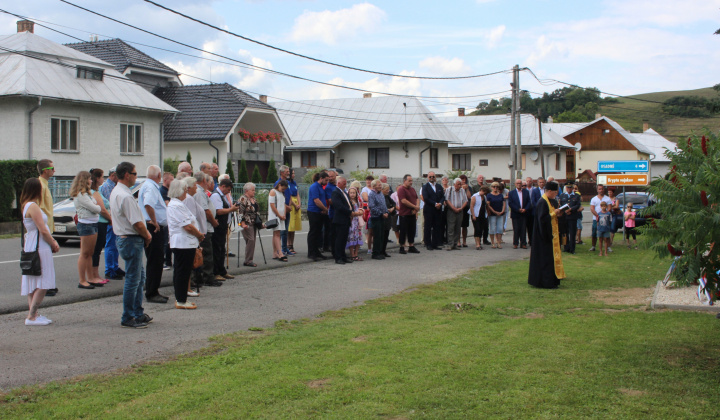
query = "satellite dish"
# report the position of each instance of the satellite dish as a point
(578, 146)
(534, 155)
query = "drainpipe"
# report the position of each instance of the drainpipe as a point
(217, 152)
(30, 126)
(162, 143)
(421, 153)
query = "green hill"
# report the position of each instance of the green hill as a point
(632, 111)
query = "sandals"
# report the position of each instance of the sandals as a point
(250, 264)
(283, 259)
(358, 258)
(478, 248)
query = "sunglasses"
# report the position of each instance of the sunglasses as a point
(132, 173)
(51, 168)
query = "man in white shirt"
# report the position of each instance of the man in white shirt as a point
(154, 211)
(132, 236)
(595, 204)
(205, 276)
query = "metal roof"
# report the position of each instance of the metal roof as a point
(656, 143)
(208, 112)
(494, 131)
(34, 66)
(563, 129)
(118, 53)
(328, 122)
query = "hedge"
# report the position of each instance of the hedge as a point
(13, 174)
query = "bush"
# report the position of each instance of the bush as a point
(188, 158)
(307, 178)
(272, 174)
(229, 171)
(243, 173)
(171, 165)
(13, 174)
(256, 177)
(359, 175)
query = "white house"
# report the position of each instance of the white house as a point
(485, 147)
(391, 134)
(75, 109)
(657, 144)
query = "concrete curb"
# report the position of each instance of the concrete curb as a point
(700, 308)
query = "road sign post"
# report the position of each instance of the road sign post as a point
(623, 166)
(626, 180)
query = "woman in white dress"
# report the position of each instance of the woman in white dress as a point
(276, 210)
(35, 222)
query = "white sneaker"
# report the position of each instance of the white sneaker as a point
(44, 318)
(166, 267)
(592, 248)
(38, 321)
(609, 249)
(186, 305)
(193, 293)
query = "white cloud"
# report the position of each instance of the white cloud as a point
(545, 49)
(330, 27)
(440, 66)
(495, 35)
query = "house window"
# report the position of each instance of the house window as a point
(461, 162)
(483, 162)
(89, 73)
(557, 162)
(433, 157)
(131, 141)
(308, 159)
(379, 157)
(63, 135)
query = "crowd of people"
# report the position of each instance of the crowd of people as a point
(176, 215)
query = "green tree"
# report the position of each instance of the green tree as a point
(171, 165)
(688, 211)
(188, 158)
(272, 174)
(256, 177)
(215, 159)
(243, 176)
(571, 116)
(229, 170)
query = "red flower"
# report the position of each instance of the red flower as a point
(703, 198)
(673, 251)
(689, 142)
(703, 143)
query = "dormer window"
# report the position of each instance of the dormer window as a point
(89, 73)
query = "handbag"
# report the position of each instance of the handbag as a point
(30, 261)
(198, 260)
(271, 224)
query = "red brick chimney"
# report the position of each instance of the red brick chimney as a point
(263, 98)
(367, 95)
(461, 112)
(25, 26)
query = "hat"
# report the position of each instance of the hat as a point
(112, 170)
(552, 186)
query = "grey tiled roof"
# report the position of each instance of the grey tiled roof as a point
(121, 55)
(208, 112)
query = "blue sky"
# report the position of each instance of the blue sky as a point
(623, 47)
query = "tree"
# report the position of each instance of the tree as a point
(188, 158)
(243, 176)
(571, 116)
(272, 174)
(256, 177)
(171, 165)
(685, 221)
(229, 170)
(215, 159)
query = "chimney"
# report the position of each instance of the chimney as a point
(598, 116)
(367, 95)
(461, 112)
(26, 26)
(263, 98)
(93, 38)
(550, 120)
(646, 126)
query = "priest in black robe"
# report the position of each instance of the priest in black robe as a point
(546, 268)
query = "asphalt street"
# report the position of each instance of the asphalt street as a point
(86, 336)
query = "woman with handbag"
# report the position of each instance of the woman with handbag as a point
(37, 240)
(250, 221)
(88, 216)
(276, 211)
(184, 240)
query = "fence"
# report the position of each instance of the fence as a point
(262, 190)
(59, 188)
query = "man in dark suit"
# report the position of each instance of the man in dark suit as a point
(574, 201)
(433, 197)
(519, 203)
(342, 216)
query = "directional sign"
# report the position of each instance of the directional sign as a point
(623, 166)
(620, 180)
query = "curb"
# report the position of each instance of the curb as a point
(700, 308)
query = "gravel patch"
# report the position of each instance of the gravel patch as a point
(671, 297)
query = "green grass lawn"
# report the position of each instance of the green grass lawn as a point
(483, 345)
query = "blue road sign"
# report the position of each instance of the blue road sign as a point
(623, 166)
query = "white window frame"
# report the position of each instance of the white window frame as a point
(64, 127)
(129, 143)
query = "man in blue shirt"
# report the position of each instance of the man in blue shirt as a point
(284, 173)
(154, 210)
(316, 211)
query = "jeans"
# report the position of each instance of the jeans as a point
(284, 235)
(131, 251)
(111, 254)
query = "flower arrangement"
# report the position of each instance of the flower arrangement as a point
(260, 136)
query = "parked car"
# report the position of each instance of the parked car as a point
(639, 200)
(65, 217)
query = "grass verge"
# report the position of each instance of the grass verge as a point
(482, 345)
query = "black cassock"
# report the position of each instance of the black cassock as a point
(542, 264)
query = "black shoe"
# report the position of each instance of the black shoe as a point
(80, 286)
(348, 260)
(487, 243)
(317, 259)
(402, 250)
(323, 257)
(51, 292)
(121, 272)
(413, 250)
(340, 262)
(157, 299)
(231, 254)
(145, 318)
(213, 283)
(386, 255)
(134, 323)
(114, 277)
(377, 257)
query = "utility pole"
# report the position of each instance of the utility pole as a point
(512, 164)
(518, 142)
(542, 155)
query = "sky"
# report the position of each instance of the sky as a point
(619, 46)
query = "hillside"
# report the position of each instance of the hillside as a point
(631, 113)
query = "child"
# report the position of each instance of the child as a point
(630, 225)
(604, 228)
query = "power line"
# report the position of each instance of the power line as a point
(313, 58)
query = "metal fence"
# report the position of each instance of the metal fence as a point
(59, 188)
(262, 190)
